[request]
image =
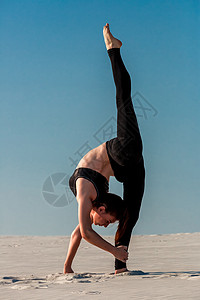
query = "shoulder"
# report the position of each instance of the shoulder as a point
(85, 189)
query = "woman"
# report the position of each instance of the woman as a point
(120, 157)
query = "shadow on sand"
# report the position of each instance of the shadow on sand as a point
(159, 274)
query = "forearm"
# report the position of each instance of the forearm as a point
(73, 247)
(95, 239)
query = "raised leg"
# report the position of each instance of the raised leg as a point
(127, 146)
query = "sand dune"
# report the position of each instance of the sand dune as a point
(160, 267)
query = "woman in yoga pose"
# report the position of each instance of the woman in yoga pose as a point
(120, 157)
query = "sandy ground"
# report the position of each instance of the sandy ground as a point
(161, 267)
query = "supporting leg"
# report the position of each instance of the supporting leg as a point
(133, 192)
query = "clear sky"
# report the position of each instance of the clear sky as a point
(57, 100)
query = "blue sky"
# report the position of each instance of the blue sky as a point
(57, 93)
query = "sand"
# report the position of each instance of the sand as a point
(161, 267)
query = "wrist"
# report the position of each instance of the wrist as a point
(113, 250)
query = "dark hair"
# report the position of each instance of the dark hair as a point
(113, 204)
(117, 208)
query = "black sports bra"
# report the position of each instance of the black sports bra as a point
(99, 181)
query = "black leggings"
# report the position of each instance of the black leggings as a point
(127, 146)
(125, 151)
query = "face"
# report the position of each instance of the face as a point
(101, 218)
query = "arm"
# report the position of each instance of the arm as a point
(73, 247)
(85, 207)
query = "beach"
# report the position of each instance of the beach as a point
(160, 267)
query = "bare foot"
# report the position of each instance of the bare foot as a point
(67, 269)
(110, 40)
(121, 271)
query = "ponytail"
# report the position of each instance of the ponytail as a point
(123, 222)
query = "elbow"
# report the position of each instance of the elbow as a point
(85, 233)
(75, 235)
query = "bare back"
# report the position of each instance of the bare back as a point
(96, 159)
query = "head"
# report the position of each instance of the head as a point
(101, 217)
(108, 209)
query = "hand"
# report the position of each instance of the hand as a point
(67, 269)
(121, 253)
